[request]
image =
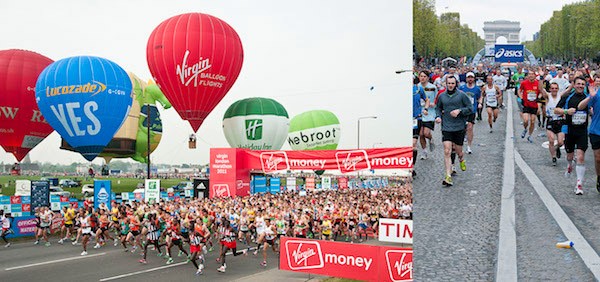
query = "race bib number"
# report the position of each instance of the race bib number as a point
(415, 123)
(552, 115)
(579, 118)
(472, 99)
(531, 96)
(491, 100)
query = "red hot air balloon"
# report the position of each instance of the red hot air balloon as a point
(22, 125)
(195, 59)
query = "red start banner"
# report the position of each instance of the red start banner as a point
(353, 261)
(344, 161)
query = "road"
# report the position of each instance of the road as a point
(503, 216)
(25, 262)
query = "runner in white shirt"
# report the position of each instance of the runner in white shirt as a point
(561, 81)
(86, 229)
(5, 222)
(259, 222)
(46, 216)
(501, 82)
(554, 123)
(491, 95)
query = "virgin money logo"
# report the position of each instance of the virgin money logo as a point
(399, 264)
(240, 184)
(274, 161)
(303, 254)
(350, 161)
(221, 190)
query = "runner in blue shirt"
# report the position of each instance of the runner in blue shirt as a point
(418, 111)
(474, 93)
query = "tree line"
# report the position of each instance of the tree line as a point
(443, 36)
(571, 33)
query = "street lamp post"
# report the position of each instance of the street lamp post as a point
(358, 133)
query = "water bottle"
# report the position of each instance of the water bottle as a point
(565, 244)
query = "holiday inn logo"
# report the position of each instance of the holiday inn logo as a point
(254, 128)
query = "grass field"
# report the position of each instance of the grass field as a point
(118, 184)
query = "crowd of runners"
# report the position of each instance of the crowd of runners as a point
(556, 101)
(191, 228)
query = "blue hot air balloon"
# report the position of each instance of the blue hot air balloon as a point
(85, 99)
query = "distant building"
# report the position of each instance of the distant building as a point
(501, 28)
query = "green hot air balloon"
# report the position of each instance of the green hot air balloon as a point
(256, 124)
(314, 130)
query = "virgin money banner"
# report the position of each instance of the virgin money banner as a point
(353, 261)
(345, 161)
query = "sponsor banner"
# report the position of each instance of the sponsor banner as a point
(22, 188)
(345, 161)
(222, 190)
(40, 194)
(489, 50)
(326, 182)
(315, 138)
(395, 230)
(275, 185)
(310, 183)
(259, 184)
(342, 183)
(505, 53)
(345, 260)
(102, 192)
(290, 183)
(151, 191)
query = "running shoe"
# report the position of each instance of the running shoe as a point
(143, 261)
(578, 188)
(453, 170)
(423, 155)
(204, 250)
(200, 268)
(97, 246)
(264, 263)
(159, 255)
(116, 243)
(463, 165)
(255, 252)
(211, 249)
(48, 244)
(180, 254)
(221, 269)
(558, 152)
(74, 243)
(84, 253)
(523, 133)
(569, 170)
(7, 245)
(60, 241)
(245, 252)
(469, 151)
(170, 261)
(529, 139)
(36, 242)
(553, 161)
(447, 181)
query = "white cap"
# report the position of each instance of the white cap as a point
(470, 74)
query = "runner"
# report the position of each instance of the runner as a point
(501, 82)
(152, 236)
(492, 98)
(593, 102)
(229, 243)
(174, 239)
(428, 118)
(86, 228)
(453, 107)
(46, 216)
(576, 136)
(270, 231)
(529, 91)
(418, 111)
(554, 123)
(198, 236)
(5, 222)
(474, 94)
(480, 78)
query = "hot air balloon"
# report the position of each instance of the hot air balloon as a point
(256, 124)
(22, 126)
(131, 141)
(85, 99)
(314, 130)
(195, 59)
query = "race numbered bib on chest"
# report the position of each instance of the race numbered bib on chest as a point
(531, 96)
(491, 100)
(579, 118)
(415, 123)
(472, 99)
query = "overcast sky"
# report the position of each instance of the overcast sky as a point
(305, 54)
(531, 13)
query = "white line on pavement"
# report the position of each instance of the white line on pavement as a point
(586, 252)
(53, 261)
(507, 241)
(154, 269)
(142, 271)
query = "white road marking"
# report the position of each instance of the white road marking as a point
(153, 269)
(583, 248)
(142, 271)
(507, 241)
(54, 261)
